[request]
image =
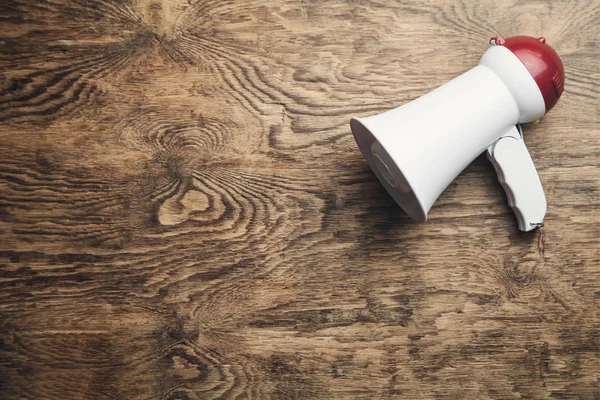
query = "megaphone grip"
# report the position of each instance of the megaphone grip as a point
(519, 178)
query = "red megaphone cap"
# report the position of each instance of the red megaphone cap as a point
(542, 62)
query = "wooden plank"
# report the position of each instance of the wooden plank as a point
(184, 212)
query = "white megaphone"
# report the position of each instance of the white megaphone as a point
(418, 149)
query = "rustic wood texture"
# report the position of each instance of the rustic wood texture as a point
(184, 213)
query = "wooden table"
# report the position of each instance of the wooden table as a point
(184, 213)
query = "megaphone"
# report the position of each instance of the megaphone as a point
(418, 149)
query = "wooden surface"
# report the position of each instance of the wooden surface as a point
(184, 213)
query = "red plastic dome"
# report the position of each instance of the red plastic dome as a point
(542, 62)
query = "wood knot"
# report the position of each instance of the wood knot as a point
(178, 209)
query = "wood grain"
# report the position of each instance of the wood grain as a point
(185, 215)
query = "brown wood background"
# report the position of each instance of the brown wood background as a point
(184, 213)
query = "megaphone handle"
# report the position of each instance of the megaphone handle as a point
(519, 178)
